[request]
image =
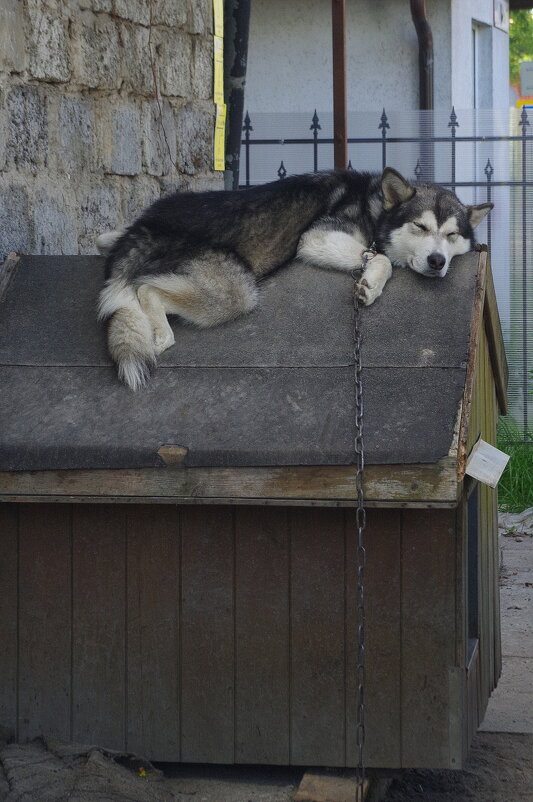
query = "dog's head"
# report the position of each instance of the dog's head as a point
(423, 226)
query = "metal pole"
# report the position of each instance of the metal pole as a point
(237, 25)
(340, 128)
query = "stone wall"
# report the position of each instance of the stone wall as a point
(85, 143)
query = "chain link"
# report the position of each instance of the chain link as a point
(360, 524)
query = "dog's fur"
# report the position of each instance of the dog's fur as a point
(200, 255)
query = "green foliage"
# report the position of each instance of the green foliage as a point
(520, 41)
(515, 489)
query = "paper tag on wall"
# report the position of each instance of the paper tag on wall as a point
(486, 463)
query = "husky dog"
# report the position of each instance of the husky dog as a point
(200, 255)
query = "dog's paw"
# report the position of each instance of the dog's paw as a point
(163, 339)
(367, 294)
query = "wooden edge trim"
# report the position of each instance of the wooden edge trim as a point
(385, 485)
(239, 502)
(7, 269)
(491, 317)
(473, 345)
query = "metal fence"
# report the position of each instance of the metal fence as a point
(498, 161)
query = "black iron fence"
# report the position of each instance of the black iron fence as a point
(437, 160)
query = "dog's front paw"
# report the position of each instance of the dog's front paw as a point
(367, 294)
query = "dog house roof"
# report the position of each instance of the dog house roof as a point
(275, 388)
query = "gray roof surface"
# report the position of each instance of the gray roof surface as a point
(272, 388)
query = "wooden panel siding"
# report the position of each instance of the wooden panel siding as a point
(262, 636)
(428, 635)
(153, 599)
(207, 635)
(317, 637)
(44, 622)
(99, 625)
(483, 423)
(8, 619)
(227, 634)
(383, 637)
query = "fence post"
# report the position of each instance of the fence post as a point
(384, 125)
(315, 127)
(453, 124)
(524, 122)
(247, 127)
(489, 170)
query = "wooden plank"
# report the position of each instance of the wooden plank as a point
(428, 636)
(475, 333)
(473, 718)
(99, 627)
(153, 593)
(401, 485)
(207, 635)
(496, 344)
(8, 619)
(262, 643)
(317, 706)
(383, 639)
(45, 605)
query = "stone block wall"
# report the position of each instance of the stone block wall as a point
(85, 141)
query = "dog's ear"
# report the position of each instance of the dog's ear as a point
(477, 213)
(395, 188)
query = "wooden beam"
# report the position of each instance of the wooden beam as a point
(426, 485)
(340, 126)
(496, 345)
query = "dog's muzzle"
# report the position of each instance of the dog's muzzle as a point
(436, 261)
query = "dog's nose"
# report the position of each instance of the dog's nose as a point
(436, 260)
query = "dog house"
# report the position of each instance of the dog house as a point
(179, 565)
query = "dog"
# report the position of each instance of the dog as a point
(201, 255)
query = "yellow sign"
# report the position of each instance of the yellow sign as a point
(218, 45)
(218, 85)
(218, 16)
(220, 137)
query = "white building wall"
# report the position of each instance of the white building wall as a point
(290, 68)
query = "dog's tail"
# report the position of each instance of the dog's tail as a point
(130, 337)
(105, 242)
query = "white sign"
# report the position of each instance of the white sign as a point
(526, 78)
(501, 14)
(486, 463)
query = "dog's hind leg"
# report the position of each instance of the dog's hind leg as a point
(153, 304)
(214, 288)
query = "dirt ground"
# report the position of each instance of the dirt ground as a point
(500, 769)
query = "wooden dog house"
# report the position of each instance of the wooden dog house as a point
(178, 565)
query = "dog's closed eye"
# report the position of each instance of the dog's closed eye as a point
(422, 227)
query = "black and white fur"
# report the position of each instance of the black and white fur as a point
(200, 255)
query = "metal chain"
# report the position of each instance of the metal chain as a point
(360, 523)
